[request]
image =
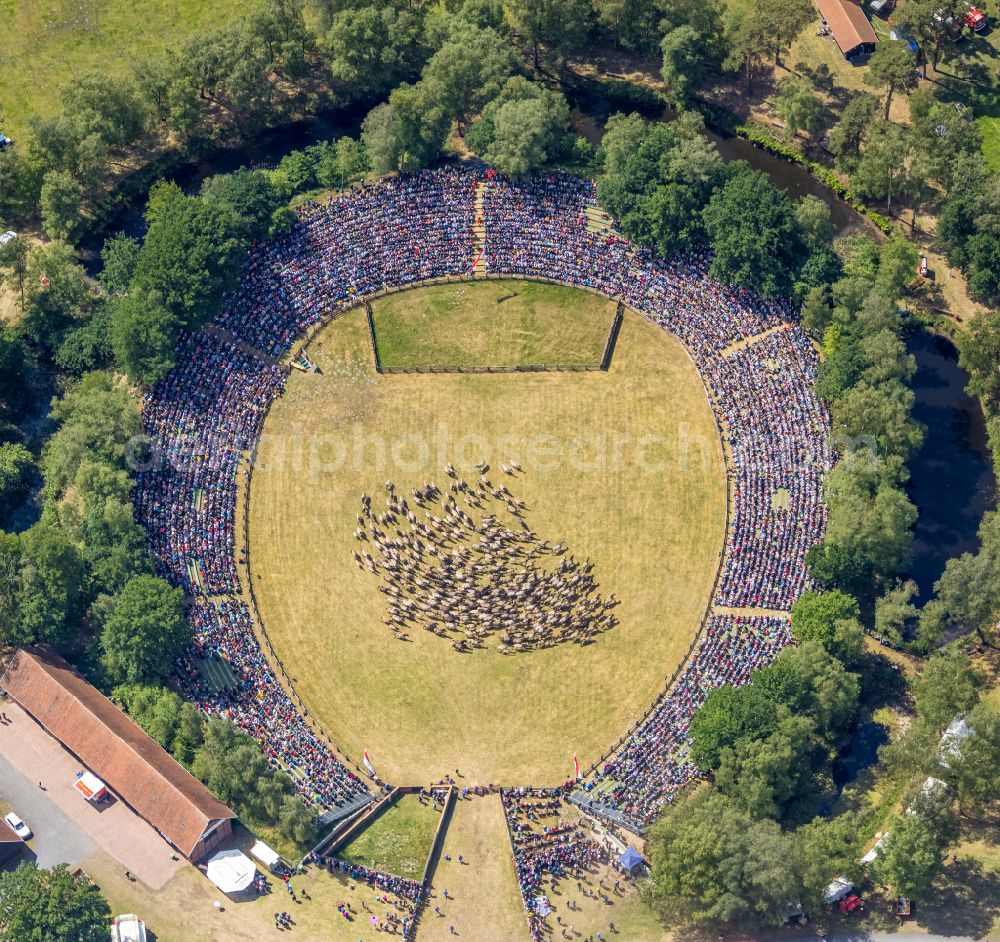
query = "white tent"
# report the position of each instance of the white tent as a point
(951, 740)
(231, 871)
(269, 858)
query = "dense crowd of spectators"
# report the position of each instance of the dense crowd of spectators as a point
(548, 845)
(259, 705)
(402, 887)
(395, 231)
(206, 413)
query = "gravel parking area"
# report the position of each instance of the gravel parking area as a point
(36, 778)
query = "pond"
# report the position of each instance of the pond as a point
(859, 754)
(952, 481)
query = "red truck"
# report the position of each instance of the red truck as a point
(974, 19)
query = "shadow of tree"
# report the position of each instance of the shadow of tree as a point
(965, 900)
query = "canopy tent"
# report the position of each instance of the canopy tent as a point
(631, 859)
(269, 858)
(231, 871)
(90, 786)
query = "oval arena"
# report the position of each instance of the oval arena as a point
(206, 417)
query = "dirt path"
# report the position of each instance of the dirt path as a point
(484, 903)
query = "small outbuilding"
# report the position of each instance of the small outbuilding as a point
(850, 28)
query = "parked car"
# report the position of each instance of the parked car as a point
(18, 826)
(128, 928)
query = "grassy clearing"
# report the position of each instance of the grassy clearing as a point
(183, 912)
(492, 323)
(47, 42)
(483, 897)
(649, 512)
(398, 841)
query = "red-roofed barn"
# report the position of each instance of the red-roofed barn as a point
(134, 766)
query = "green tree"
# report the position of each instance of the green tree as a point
(931, 21)
(799, 106)
(60, 203)
(832, 619)
(706, 19)
(234, 768)
(879, 414)
(119, 255)
(143, 335)
(561, 25)
(374, 48)
(892, 68)
(656, 180)
(773, 777)
(17, 468)
(107, 104)
(174, 723)
(48, 587)
(15, 395)
(853, 128)
(881, 171)
(753, 232)
(895, 613)
(910, 857)
(633, 24)
(816, 313)
(869, 536)
(57, 294)
(748, 42)
(249, 195)
(683, 67)
(946, 687)
(783, 20)
(975, 767)
(14, 262)
(191, 257)
(145, 630)
(943, 138)
(51, 905)
(523, 128)
(470, 69)
(822, 847)
(97, 421)
(815, 222)
(712, 864)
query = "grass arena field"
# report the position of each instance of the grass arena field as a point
(398, 841)
(623, 467)
(492, 323)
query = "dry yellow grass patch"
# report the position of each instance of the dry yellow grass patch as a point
(625, 467)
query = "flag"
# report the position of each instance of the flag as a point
(368, 765)
(576, 768)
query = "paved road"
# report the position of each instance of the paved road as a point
(864, 936)
(58, 839)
